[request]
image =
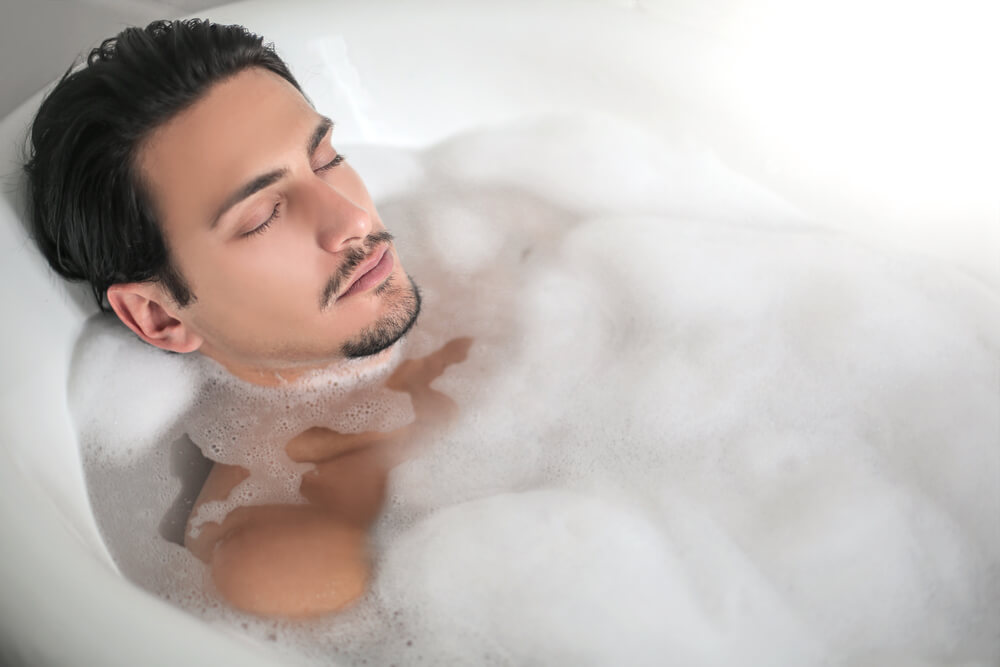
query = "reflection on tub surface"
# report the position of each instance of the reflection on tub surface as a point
(686, 430)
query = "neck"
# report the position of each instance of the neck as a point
(279, 375)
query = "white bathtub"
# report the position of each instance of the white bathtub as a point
(846, 114)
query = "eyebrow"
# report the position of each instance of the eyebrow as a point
(271, 177)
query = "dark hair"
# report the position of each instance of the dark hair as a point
(90, 212)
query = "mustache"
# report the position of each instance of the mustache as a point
(355, 256)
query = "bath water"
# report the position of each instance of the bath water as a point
(694, 429)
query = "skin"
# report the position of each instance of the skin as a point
(256, 309)
(258, 273)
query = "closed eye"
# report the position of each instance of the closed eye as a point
(333, 163)
(276, 212)
(262, 227)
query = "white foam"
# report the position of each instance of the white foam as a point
(240, 424)
(686, 434)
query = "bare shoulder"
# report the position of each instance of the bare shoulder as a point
(288, 560)
(291, 560)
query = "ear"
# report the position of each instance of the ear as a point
(141, 307)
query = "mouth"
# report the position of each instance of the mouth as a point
(370, 274)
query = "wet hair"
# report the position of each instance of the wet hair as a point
(90, 212)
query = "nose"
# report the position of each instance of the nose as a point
(341, 220)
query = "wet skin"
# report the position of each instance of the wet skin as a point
(303, 560)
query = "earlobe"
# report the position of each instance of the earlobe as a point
(139, 307)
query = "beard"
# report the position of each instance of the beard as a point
(391, 326)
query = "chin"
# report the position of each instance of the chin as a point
(403, 299)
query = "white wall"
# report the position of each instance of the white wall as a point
(40, 38)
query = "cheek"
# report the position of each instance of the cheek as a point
(273, 276)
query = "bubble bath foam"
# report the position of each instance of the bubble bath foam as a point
(694, 429)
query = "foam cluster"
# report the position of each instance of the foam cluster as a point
(686, 435)
(240, 424)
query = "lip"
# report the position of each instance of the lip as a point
(371, 273)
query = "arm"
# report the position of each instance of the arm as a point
(221, 480)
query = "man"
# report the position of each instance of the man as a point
(186, 177)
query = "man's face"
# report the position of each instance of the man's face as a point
(270, 231)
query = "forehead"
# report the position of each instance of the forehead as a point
(243, 126)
